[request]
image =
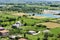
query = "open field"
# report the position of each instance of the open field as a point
(7, 24)
(19, 14)
(51, 24)
(38, 17)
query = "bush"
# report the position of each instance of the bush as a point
(12, 19)
(51, 35)
(3, 25)
(1, 20)
(25, 24)
(41, 26)
(24, 15)
(58, 36)
(38, 38)
(33, 14)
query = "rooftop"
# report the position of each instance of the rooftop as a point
(22, 39)
(3, 31)
(1, 28)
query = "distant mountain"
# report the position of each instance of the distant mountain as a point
(21, 1)
(17, 1)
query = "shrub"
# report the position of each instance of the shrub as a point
(58, 36)
(33, 14)
(51, 35)
(25, 24)
(38, 38)
(3, 25)
(41, 26)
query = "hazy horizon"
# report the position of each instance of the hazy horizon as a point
(18, 1)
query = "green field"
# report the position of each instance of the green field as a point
(7, 20)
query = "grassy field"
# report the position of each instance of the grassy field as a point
(30, 25)
(51, 24)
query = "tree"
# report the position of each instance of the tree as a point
(46, 36)
(58, 36)
(33, 14)
(24, 35)
(21, 21)
(40, 25)
(38, 38)
(25, 24)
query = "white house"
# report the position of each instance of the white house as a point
(46, 31)
(13, 37)
(33, 32)
(17, 24)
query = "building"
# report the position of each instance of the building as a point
(23, 39)
(1, 28)
(3, 32)
(14, 37)
(34, 32)
(17, 24)
(46, 31)
(31, 32)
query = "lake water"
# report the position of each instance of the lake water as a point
(46, 15)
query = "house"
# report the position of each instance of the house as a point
(23, 38)
(33, 32)
(13, 37)
(46, 31)
(1, 28)
(3, 32)
(17, 24)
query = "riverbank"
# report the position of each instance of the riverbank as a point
(21, 14)
(38, 17)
